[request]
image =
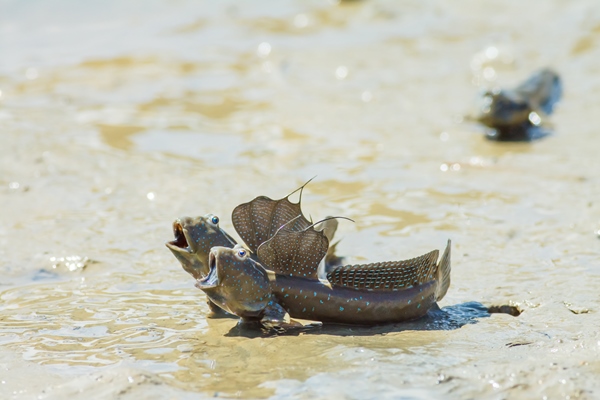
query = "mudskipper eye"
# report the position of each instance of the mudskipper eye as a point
(242, 253)
(214, 219)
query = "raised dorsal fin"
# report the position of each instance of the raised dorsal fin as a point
(391, 275)
(329, 226)
(258, 220)
(294, 253)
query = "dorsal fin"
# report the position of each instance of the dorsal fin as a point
(329, 226)
(391, 275)
(294, 253)
(258, 220)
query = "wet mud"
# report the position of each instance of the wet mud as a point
(116, 118)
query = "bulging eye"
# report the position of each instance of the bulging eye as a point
(242, 253)
(214, 219)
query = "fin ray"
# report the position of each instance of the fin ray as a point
(443, 273)
(294, 253)
(258, 220)
(391, 275)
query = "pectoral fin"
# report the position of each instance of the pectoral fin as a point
(276, 317)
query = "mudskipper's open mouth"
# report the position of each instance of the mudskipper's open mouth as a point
(180, 243)
(212, 279)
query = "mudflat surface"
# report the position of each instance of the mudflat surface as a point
(116, 118)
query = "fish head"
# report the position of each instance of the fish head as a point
(503, 108)
(194, 237)
(235, 282)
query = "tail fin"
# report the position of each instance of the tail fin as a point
(443, 273)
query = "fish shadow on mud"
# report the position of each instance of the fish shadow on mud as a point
(436, 319)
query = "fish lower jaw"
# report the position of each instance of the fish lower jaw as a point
(212, 279)
(174, 247)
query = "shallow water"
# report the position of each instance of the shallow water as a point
(116, 118)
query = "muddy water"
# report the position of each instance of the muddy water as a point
(117, 118)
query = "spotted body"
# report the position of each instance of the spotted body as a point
(309, 299)
(425, 282)
(517, 114)
(282, 273)
(236, 282)
(356, 294)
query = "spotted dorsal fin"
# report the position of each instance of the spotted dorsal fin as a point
(294, 253)
(258, 220)
(391, 275)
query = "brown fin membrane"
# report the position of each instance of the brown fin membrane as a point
(294, 253)
(258, 220)
(329, 227)
(391, 275)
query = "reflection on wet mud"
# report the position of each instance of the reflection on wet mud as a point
(117, 117)
(307, 23)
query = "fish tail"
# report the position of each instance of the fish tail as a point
(443, 273)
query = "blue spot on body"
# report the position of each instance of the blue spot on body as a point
(368, 303)
(341, 308)
(410, 301)
(419, 305)
(315, 294)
